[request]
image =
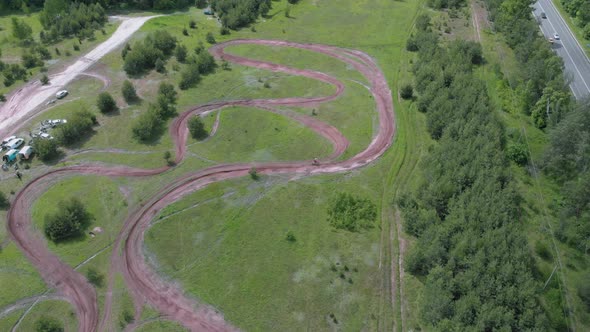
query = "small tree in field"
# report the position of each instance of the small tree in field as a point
(106, 103)
(168, 158)
(44, 80)
(210, 38)
(48, 324)
(70, 220)
(128, 91)
(46, 149)
(197, 128)
(3, 201)
(407, 91)
(95, 277)
(253, 173)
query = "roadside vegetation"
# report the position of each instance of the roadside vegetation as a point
(580, 12)
(566, 160)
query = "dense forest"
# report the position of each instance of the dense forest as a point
(63, 19)
(540, 84)
(567, 160)
(580, 11)
(111, 4)
(471, 251)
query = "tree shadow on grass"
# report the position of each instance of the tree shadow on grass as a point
(81, 141)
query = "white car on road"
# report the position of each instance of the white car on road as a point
(61, 94)
(556, 36)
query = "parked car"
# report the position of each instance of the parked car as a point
(8, 139)
(45, 136)
(57, 122)
(543, 15)
(15, 143)
(556, 36)
(25, 152)
(61, 94)
(10, 156)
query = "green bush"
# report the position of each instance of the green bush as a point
(290, 237)
(44, 80)
(210, 38)
(543, 251)
(106, 103)
(46, 149)
(189, 77)
(78, 125)
(71, 219)
(48, 324)
(407, 91)
(351, 213)
(180, 53)
(148, 125)
(128, 91)
(517, 153)
(4, 204)
(94, 277)
(197, 128)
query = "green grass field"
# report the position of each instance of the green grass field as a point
(243, 265)
(103, 200)
(59, 310)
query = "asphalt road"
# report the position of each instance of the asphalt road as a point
(567, 47)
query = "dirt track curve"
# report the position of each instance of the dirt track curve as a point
(144, 283)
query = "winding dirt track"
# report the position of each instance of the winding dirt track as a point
(144, 283)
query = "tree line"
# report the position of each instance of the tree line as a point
(235, 14)
(470, 250)
(567, 160)
(580, 11)
(28, 5)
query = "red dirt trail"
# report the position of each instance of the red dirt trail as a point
(144, 283)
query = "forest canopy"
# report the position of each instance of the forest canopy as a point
(470, 250)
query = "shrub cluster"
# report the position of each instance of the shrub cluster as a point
(71, 220)
(149, 125)
(78, 125)
(351, 213)
(157, 46)
(235, 14)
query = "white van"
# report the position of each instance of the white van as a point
(15, 143)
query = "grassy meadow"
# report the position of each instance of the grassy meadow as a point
(226, 244)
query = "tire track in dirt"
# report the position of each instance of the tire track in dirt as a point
(144, 283)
